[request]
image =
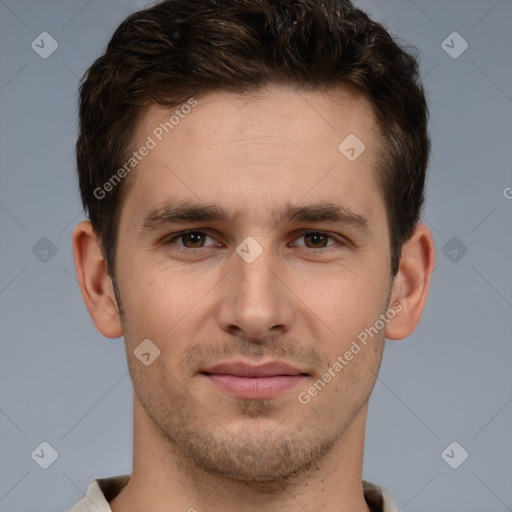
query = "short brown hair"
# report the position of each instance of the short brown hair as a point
(178, 49)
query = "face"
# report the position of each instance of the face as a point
(248, 239)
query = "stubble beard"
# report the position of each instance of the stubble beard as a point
(251, 454)
(271, 455)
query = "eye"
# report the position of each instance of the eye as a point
(197, 240)
(190, 239)
(317, 240)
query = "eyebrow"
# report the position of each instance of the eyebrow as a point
(174, 212)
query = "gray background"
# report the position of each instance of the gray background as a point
(63, 383)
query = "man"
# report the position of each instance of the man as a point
(254, 175)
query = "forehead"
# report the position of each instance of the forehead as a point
(279, 114)
(249, 151)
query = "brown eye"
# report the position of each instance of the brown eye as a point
(189, 239)
(193, 239)
(316, 240)
(319, 241)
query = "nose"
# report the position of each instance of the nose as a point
(256, 302)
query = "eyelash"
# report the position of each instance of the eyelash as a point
(171, 239)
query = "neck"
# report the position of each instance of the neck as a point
(163, 480)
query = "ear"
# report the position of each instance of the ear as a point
(95, 283)
(412, 282)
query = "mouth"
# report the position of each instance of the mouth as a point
(248, 381)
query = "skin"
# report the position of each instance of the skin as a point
(302, 301)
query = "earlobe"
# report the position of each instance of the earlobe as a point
(95, 283)
(411, 284)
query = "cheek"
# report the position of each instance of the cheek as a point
(345, 301)
(161, 301)
(351, 308)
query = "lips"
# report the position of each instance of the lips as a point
(241, 369)
(263, 381)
